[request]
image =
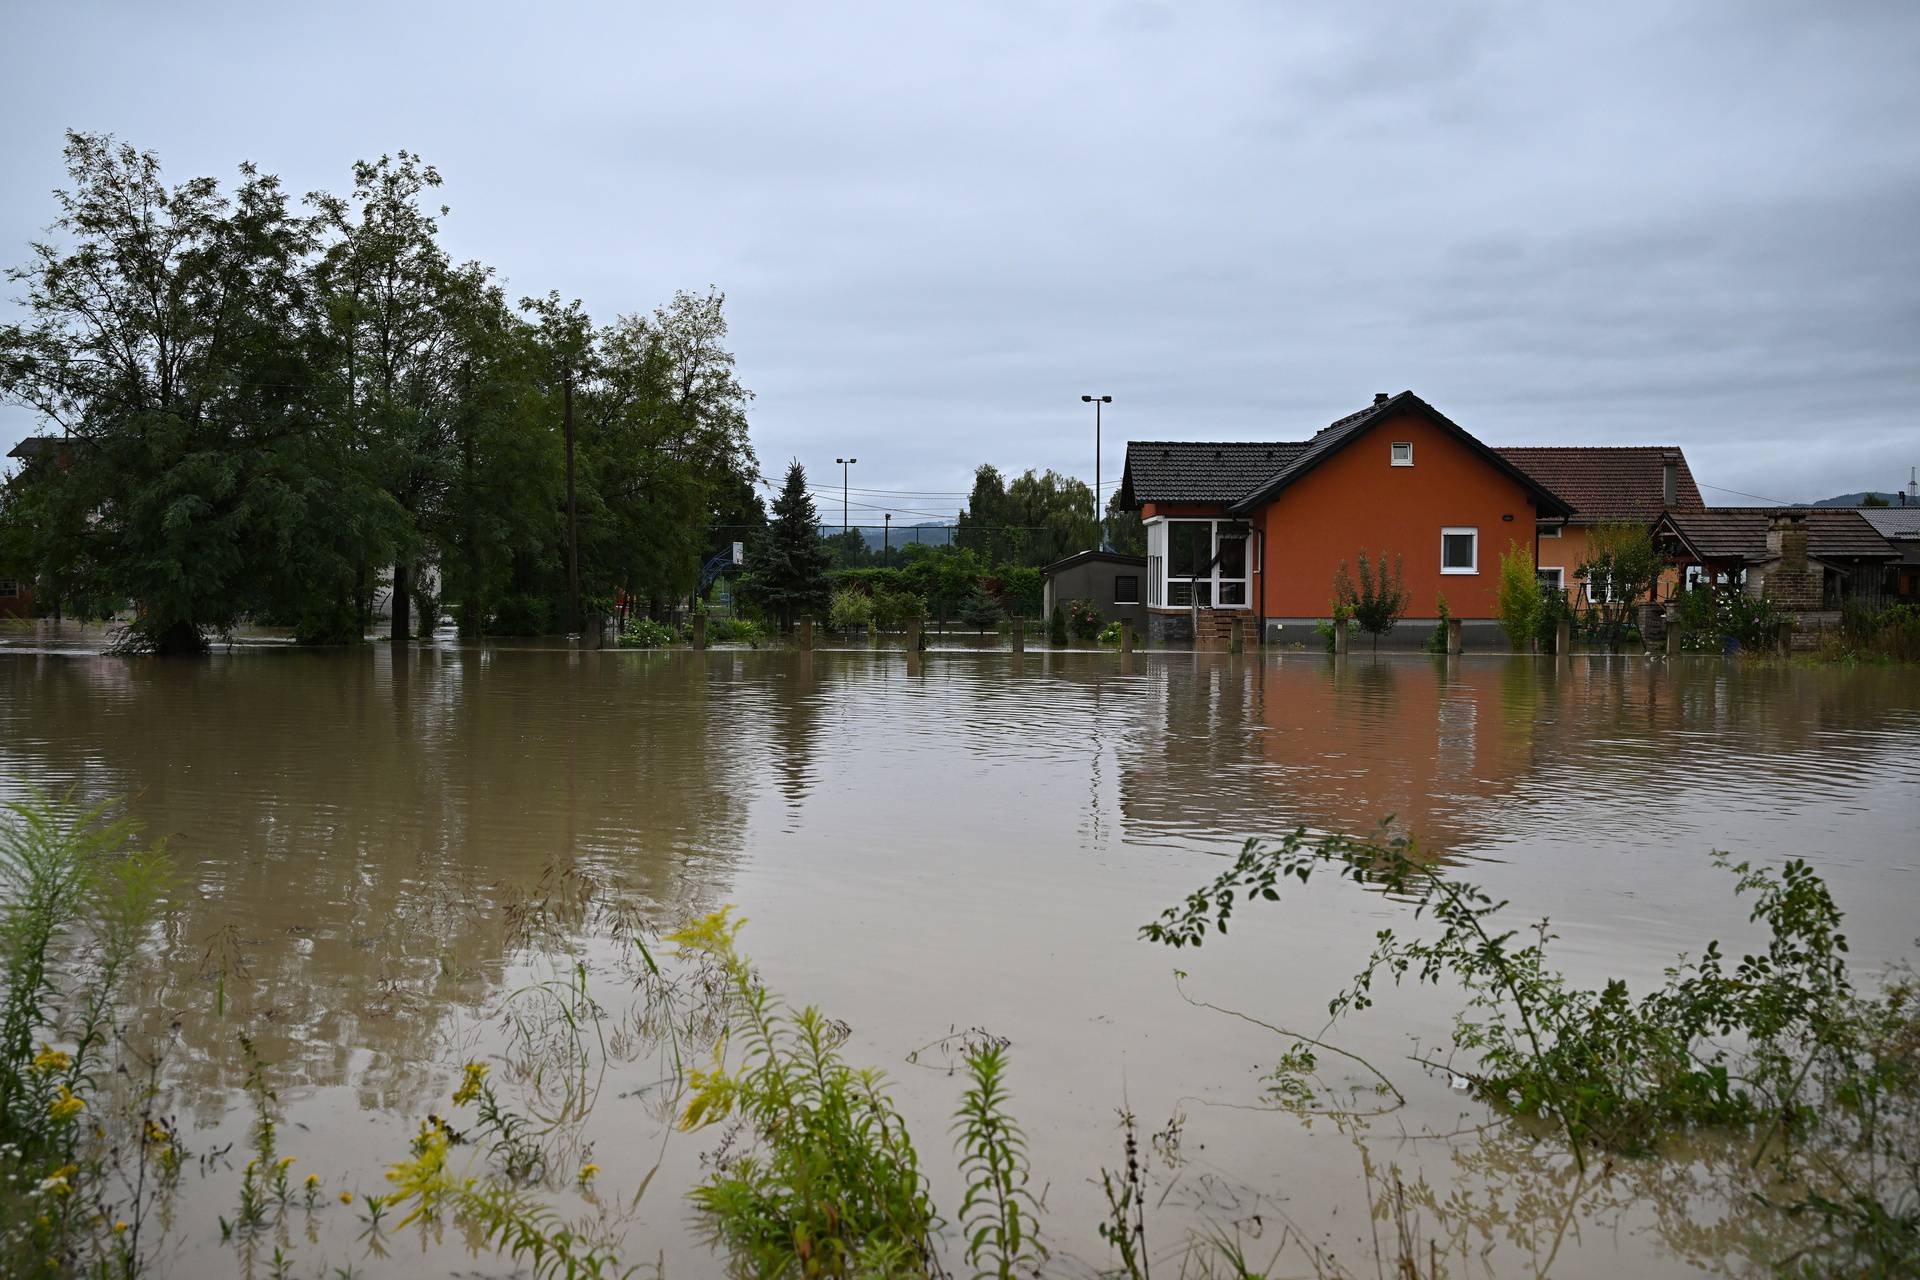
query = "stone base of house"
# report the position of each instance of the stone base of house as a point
(1477, 635)
(1169, 630)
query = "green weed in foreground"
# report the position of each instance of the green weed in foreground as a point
(1779, 1045)
(78, 1170)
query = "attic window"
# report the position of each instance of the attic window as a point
(1403, 453)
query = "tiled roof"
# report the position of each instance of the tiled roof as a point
(1332, 438)
(1200, 471)
(1892, 522)
(1603, 483)
(1740, 533)
(37, 447)
(1087, 557)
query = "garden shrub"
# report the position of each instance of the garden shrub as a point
(1376, 601)
(522, 615)
(1057, 627)
(645, 633)
(1519, 600)
(1083, 620)
(850, 610)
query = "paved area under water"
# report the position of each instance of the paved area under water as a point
(375, 854)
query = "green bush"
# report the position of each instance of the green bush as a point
(1519, 599)
(644, 633)
(1546, 626)
(1110, 635)
(737, 630)
(850, 609)
(1083, 620)
(981, 611)
(522, 615)
(1057, 627)
(1437, 642)
(1376, 601)
(893, 610)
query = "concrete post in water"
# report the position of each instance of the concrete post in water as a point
(1019, 634)
(1673, 638)
(1784, 639)
(913, 635)
(806, 633)
(1563, 638)
(1453, 636)
(699, 630)
(1126, 635)
(1339, 635)
(1234, 642)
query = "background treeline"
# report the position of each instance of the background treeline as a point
(989, 570)
(271, 404)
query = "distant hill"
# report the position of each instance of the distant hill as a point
(1855, 499)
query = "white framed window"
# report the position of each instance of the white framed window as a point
(1403, 453)
(1549, 530)
(1460, 550)
(1551, 576)
(1126, 588)
(1206, 564)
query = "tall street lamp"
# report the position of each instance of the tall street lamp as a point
(1096, 402)
(844, 464)
(886, 541)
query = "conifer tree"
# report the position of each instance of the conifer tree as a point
(787, 567)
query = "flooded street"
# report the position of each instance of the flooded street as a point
(374, 855)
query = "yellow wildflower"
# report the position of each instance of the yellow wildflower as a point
(313, 1180)
(50, 1060)
(65, 1106)
(119, 1227)
(587, 1171)
(425, 1176)
(346, 1197)
(470, 1086)
(282, 1165)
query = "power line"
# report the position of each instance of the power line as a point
(1778, 502)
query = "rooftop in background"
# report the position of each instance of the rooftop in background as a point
(39, 447)
(1200, 471)
(1609, 482)
(1893, 522)
(1740, 533)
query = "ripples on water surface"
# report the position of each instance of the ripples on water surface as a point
(971, 838)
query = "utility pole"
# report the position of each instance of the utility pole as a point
(573, 511)
(886, 541)
(844, 464)
(1098, 518)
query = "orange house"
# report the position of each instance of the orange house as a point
(1260, 530)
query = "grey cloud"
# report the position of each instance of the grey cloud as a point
(937, 227)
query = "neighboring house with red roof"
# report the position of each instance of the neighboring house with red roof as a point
(1258, 531)
(1833, 554)
(1632, 483)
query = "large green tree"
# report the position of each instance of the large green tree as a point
(165, 336)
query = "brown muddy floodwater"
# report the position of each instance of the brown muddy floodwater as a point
(968, 840)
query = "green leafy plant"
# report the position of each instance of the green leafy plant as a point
(1057, 627)
(1083, 620)
(1519, 596)
(1437, 641)
(1376, 597)
(645, 633)
(850, 609)
(1620, 568)
(998, 1216)
(834, 1187)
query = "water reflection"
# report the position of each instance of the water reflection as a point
(927, 840)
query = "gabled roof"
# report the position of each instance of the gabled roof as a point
(39, 447)
(1740, 533)
(1335, 436)
(1892, 522)
(1085, 557)
(1609, 483)
(1199, 471)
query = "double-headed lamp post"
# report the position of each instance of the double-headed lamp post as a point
(1096, 402)
(844, 464)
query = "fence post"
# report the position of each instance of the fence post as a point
(913, 635)
(1453, 636)
(1673, 638)
(1234, 642)
(1019, 634)
(1784, 639)
(1339, 635)
(806, 633)
(1126, 635)
(699, 630)
(1563, 638)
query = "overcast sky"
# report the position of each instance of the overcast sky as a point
(937, 226)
